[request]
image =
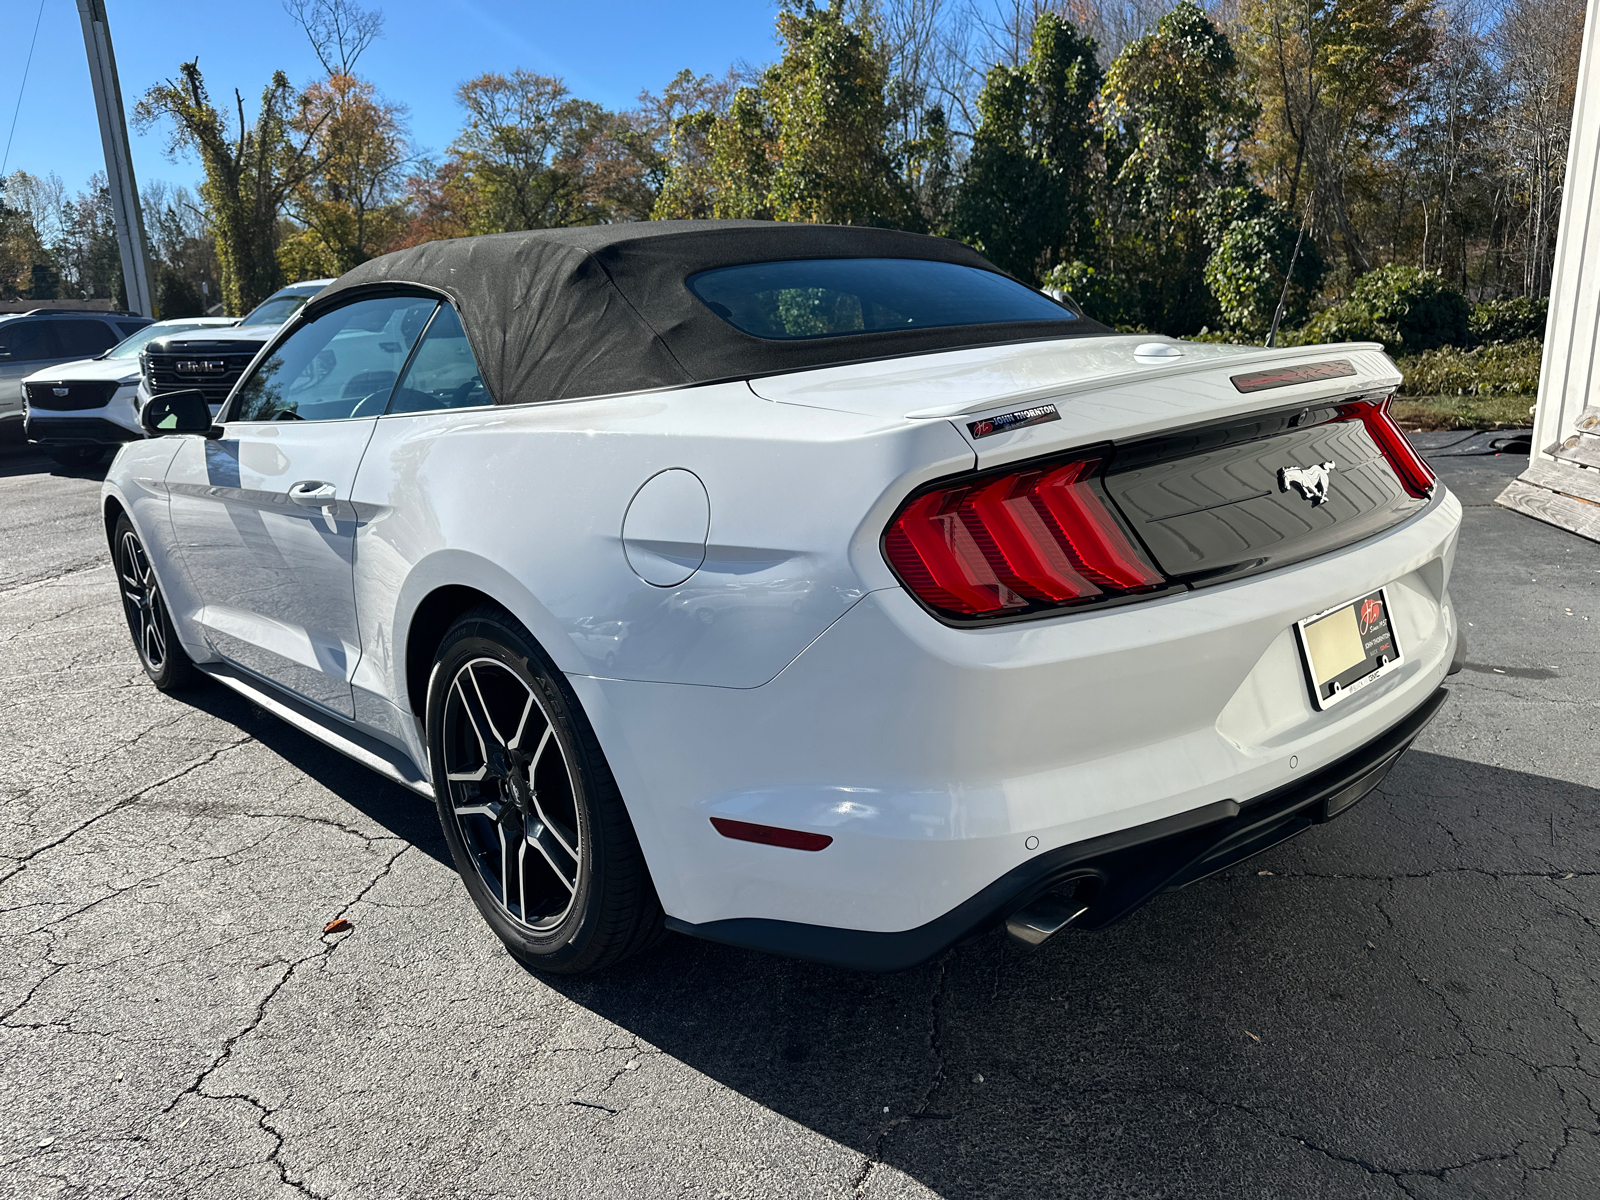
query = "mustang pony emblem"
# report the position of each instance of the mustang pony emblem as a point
(1310, 482)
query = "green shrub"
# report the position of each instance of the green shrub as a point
(1252, 239)
(1098, 293)
(1407, 309)
(1498, 369)
(1508, 320)
(1348, 321)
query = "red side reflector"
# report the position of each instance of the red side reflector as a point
(1006, 543)
(1415, 475)
(771, 835)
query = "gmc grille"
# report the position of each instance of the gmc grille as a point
(212, 370)
(72, 395)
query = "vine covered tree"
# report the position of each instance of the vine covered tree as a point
(810, 142)
(1027, 199)
(251, 170)
(1176, 117)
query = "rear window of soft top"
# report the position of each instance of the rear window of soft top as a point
(833, 297)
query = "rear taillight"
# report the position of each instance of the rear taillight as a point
(1007, 544)
(1414, 473)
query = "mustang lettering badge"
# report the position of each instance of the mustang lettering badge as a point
(1310, 482)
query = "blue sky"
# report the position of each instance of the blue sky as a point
(605, 51)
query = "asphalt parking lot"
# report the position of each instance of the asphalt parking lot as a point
(1405, 1002)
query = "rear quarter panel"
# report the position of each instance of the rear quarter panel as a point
(526, 504)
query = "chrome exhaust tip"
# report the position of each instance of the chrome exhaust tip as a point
(1040, 919)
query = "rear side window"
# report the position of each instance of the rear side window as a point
(830, 297)
(443, 373)
(23, 341)
(84, 337)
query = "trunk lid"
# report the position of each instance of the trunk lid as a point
(1220, 461)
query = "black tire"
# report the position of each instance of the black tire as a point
(76, 457)
(543, 842)
(160, 653)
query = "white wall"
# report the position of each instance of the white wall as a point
(1568, 376)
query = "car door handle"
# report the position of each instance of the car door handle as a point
(313, 493)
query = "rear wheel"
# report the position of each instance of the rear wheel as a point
(532, 815)
(76, 456)
(160, 653)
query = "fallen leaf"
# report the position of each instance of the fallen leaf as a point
(1251, 1036)
(1370, 946)
(338, 925)
(1263, 872)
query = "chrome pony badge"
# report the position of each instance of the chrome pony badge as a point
(1310, 482)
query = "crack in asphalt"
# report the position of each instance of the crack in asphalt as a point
(275, 1155)
(935, 1050)
(1396, 1174)
(205, 760)
(330, 943)
(57, 578)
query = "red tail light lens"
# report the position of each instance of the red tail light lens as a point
(1414, 473)
(1006, 544)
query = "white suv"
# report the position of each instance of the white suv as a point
(75, 410)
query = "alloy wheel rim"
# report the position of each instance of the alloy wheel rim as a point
(141, 600)
(512, 794)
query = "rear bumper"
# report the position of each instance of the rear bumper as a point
(940, 760)
(1114, 873)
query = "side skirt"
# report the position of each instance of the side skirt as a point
(370, 752)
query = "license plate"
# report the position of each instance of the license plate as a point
(1347, 647)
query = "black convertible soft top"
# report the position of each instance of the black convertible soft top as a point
(556, 314)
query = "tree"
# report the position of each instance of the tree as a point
(810, 141)
(250, 172)
(722, 164)
(1333, 78)
(830, 121)
(1254, 239)
(349, 207)
(521, 156)
(1175, 117)
(923, 61)
(86, 251)
(1027, 197)
(182, 249)
(1538, 42)
(339, 31)
(27, 267)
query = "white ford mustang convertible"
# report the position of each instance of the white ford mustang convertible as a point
(817, 590)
